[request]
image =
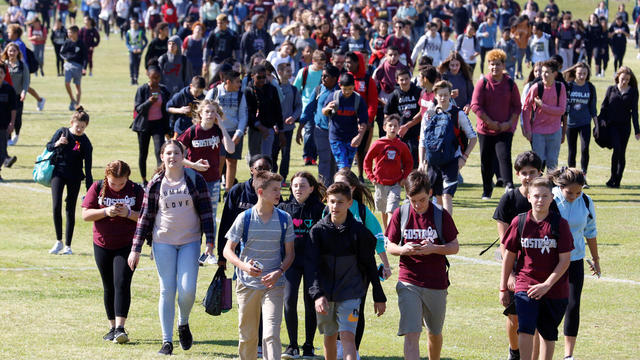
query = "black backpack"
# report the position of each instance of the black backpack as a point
(31, 61)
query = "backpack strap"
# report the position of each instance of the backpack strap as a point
(558, 90)
(305, 74)
(585, 198)
(282, 216)
(214, 92)
(437, 219)
(362, 211)
(246, 221)
(592, 91)
(404, 218)
(336, 99)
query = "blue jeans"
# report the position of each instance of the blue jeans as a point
(259, 145)
(93, 13)
(547, 146)
(511, 69)
(63, 16)
(309, 149)
(38, 51)
(343, 153)
(214, 195)
(326, 162)
(177, 270)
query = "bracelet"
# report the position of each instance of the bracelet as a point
(104, 211)
(504, 290)
(281, 269)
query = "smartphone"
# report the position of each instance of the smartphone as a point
(591, 264)
(202, 259)
(381, 272)
(258, 265)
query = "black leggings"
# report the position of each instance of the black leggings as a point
(59, 60)
(116, 279)
(585, 139)
(572, 314)
(495, 148)
(293, 276)
(619, 139)
(618, 55)
(143, 148)
(73, 188)
(105, 27)
(601, 56)
(18, 122)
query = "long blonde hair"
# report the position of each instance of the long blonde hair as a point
(5, 52)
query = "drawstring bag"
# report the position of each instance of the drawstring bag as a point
(43, 169)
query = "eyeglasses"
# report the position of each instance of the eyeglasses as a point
(261, 77)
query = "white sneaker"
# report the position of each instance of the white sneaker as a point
(339, 354)
(56, 248)
(41, 104)
(67, 251)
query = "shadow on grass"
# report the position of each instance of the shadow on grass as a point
(19, 181)
(395, 358)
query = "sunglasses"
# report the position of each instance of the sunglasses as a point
(261, 77)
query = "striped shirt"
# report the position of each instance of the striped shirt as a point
(263, 245)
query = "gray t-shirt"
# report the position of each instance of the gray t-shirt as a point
(263, 244)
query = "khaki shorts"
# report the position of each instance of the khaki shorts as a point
(414, 301)
(387, 197)
(341, 316)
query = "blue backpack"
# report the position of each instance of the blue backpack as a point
(282, 216)
(43, 169)
(440, 137)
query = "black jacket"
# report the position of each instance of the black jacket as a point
(74, 52)
(304, 217)
(142, 106)
(241, 197)
(68, 158)
(157, 47)
(620, 109)
(263, 105)
(340, 259)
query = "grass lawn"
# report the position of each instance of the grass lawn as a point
(52, 305)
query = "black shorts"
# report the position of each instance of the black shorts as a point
(545, 315)
(444, 179)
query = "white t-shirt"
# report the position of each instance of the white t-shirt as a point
(539, 48)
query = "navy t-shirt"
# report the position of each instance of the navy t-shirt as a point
(580, 110)
(343, 126)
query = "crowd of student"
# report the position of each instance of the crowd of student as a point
(219, 71)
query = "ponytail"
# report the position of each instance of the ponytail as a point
(360, 192)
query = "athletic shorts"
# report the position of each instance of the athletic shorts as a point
(545, 315)
(237, 154)
(444, 179)
(343, 153)
(420, 306)
(72, 72)
(341, 316)
(387, 197)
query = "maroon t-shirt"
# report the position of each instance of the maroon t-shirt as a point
(539, 253)
(204, 144)
(427, 271)
(114, 232)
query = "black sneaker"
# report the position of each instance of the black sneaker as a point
(167, 348)
(514, 354)
(109, 336)
(499, 183)
(10, 161)
(292, 352)
(308, 352)
(186, 339)
(120, 336)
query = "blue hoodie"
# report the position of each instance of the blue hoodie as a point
(179, 122)
(582, 226)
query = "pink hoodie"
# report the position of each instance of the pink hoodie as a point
(547, 118)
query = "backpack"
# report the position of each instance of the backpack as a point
(305, 73)
(437, 219)
(440, 138)
(43, 169)
(282, 216)
(215, 96)
(485, 81)
(356, 104)
(31, 61)
(558, 90)
(461, 39)
(554, 206)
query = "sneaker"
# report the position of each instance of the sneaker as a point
(14, 140)
(314, 162)
(120, 336)
(308, 161)
(259, 355)
(109, 336)
(90, 72)
(10, 161)
(166, 349)
(66, 251)
(339, 351)
(514, 354)
(292, 352)
(308, 352)
(585, 186)
(486, 197)
(508, 188)
(284, 184)
(56, 248)
(41, 102)
(186, 339)
(151, 254)
(568, 357)
(499, 183)
(72, 106)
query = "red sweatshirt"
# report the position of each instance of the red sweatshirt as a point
(484, 101)
(393, 161)
(370, 94)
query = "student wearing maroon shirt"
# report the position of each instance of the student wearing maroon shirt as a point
(113, 205)
(423, 277)
(398, 40)
(542, 285)
(202, 144)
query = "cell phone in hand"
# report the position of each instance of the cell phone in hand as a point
(593, 266)
(202, 259)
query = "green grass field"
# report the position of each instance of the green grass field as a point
(52, 308)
